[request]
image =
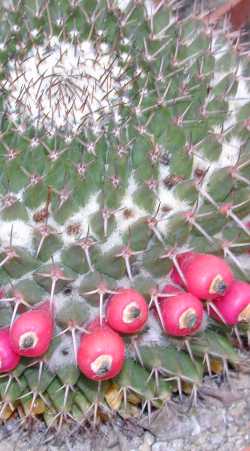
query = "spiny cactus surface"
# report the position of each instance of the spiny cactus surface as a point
(124, 142)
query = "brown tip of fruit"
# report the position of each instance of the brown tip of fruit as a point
(28, 340)
(188, 319)
(102, 364)
(130, 313)
(217, 286)
(245, 314)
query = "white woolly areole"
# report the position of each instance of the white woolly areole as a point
(64, 86)
(19, 231)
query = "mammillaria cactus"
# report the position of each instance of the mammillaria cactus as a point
(124, 144)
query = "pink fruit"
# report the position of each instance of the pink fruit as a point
(127, 311)
(32, 333)
(234, 307)
(171, 290)
(207, 276)
(101, 354)
(8, 357)
(182, 260)
(182, 314)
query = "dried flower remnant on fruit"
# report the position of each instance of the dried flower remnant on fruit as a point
(245, 314)
(28, 341)
(102, 364)
(131, 312)
(187, 319)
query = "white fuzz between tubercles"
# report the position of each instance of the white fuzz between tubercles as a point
(153, 334)
(81, 217)
(230, 152)
(63, 86)
(123, 223)
(16, 233)
(122, 4)
(63, 355)
(150, 6)
(230, 147)
(129, 203)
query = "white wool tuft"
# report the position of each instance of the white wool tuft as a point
(122, 4)
(21, 233)
(115, 239)
(230, 152)
(149, 4)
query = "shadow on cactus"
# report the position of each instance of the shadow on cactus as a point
(124, 223)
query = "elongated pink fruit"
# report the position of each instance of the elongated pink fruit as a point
(9, 359)
(101, 354)
(31, 333)
(234, 307)
(206, 276)
(182, 313)
(127, 311)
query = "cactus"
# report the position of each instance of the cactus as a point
(124, 142)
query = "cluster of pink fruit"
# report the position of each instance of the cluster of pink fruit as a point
(197, 280)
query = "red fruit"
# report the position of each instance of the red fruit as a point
(127, 311)
(95, 324)
(32, 333)
(182, 260)
(235, 305)
(43, 305)
(8, 358)
(171, 289)
(182, 314)
(207, 276)
(101, 354)
(168, 289)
